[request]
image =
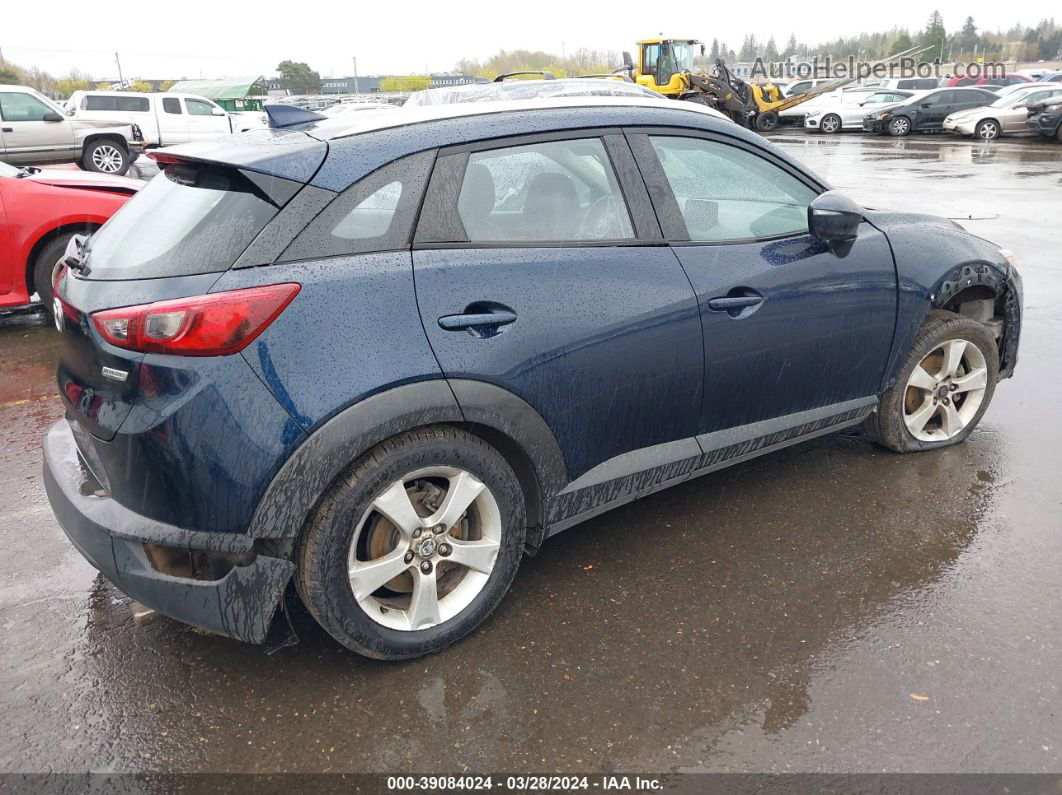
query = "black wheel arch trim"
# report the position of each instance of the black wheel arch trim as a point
(476, 405)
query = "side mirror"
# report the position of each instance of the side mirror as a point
(51, 116)
(834, 218)
(218, 112)
(628, 61)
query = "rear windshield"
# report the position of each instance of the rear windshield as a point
(189, 219)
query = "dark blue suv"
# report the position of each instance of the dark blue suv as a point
(387, 360)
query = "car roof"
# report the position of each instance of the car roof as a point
(502, 91)
(420, 114)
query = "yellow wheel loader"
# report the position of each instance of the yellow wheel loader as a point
(666, 65)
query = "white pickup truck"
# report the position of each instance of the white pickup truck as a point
(165, 118)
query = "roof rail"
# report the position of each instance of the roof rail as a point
(543, 75)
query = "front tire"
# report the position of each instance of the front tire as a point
(900, 126)
(831, 123)
(106, 157)
(767, 121)
(414, 545)
(944, 387)
(987, 130)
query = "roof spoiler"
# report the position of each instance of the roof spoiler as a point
(289, 115)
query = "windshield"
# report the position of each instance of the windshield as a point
(189, 219)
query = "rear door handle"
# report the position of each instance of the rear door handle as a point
(737, 302)
(493, 318)
(7, 129)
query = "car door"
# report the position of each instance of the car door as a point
(968, 98)
(794, 333)
(933, 109)
(172, 121)
(539, 268)
(1015, 119)
(202, 123)
(28, 137)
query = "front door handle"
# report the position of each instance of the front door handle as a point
(729, 303)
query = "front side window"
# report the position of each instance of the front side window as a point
(16, 106)
(558, 191)
(196, 107)
(729, 194)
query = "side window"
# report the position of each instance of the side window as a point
(374, 214)
(196, 107)
(133, 104)
(799, 88)
(171, 105)
(557, 191)
(728, 194)
(16, 106)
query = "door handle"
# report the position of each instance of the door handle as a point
(472, 320)
(736, 302)
(7, 129)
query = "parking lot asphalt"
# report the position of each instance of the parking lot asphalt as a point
(834, 607)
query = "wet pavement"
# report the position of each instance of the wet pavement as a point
(834, 607)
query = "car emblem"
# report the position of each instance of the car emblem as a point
(114, 374)
(57, 313)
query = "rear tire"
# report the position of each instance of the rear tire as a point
(106, 157)
(933, 406)
(767, 121)
(363, 555)
(44, 269)
(900, 126)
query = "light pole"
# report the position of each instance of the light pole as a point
(354, 60)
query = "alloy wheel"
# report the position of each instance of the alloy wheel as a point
(830, 124)
(945, 391)
(107, 159)
(987, 131)
(425, 548)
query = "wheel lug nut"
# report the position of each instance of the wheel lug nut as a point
(444, 549)
(409, 556)
(425, 567)
(417, 533)
(947, 402)
(953, 387)
(439, 529)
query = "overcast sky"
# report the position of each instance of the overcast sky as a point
(194, 38)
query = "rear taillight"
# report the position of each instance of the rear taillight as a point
(206, 325)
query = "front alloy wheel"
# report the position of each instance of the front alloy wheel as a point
(988, 130)
(830, 123)
(945, 391)
(900, 126)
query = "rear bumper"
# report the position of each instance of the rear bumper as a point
(239, 605)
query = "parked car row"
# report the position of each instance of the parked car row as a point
(983, 112)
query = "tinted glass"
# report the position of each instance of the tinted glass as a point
(189, 219)
(15, 106)
(108, 103)
(171, 105)
(548, 192)
(727, 193)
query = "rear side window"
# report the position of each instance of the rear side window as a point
(108, 103)
(374, 214)
(189, 219)
(549, 192)
(730, 194)
(171, 105)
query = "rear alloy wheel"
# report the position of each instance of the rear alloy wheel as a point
(106, 157)
(987, 130)
(414, 546)
(944, 388)
(830, 123)
(900, 126)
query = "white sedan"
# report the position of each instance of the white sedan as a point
(847, 111)
(1006, 116)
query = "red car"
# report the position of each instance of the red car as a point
(987, 82)
(40, 210)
